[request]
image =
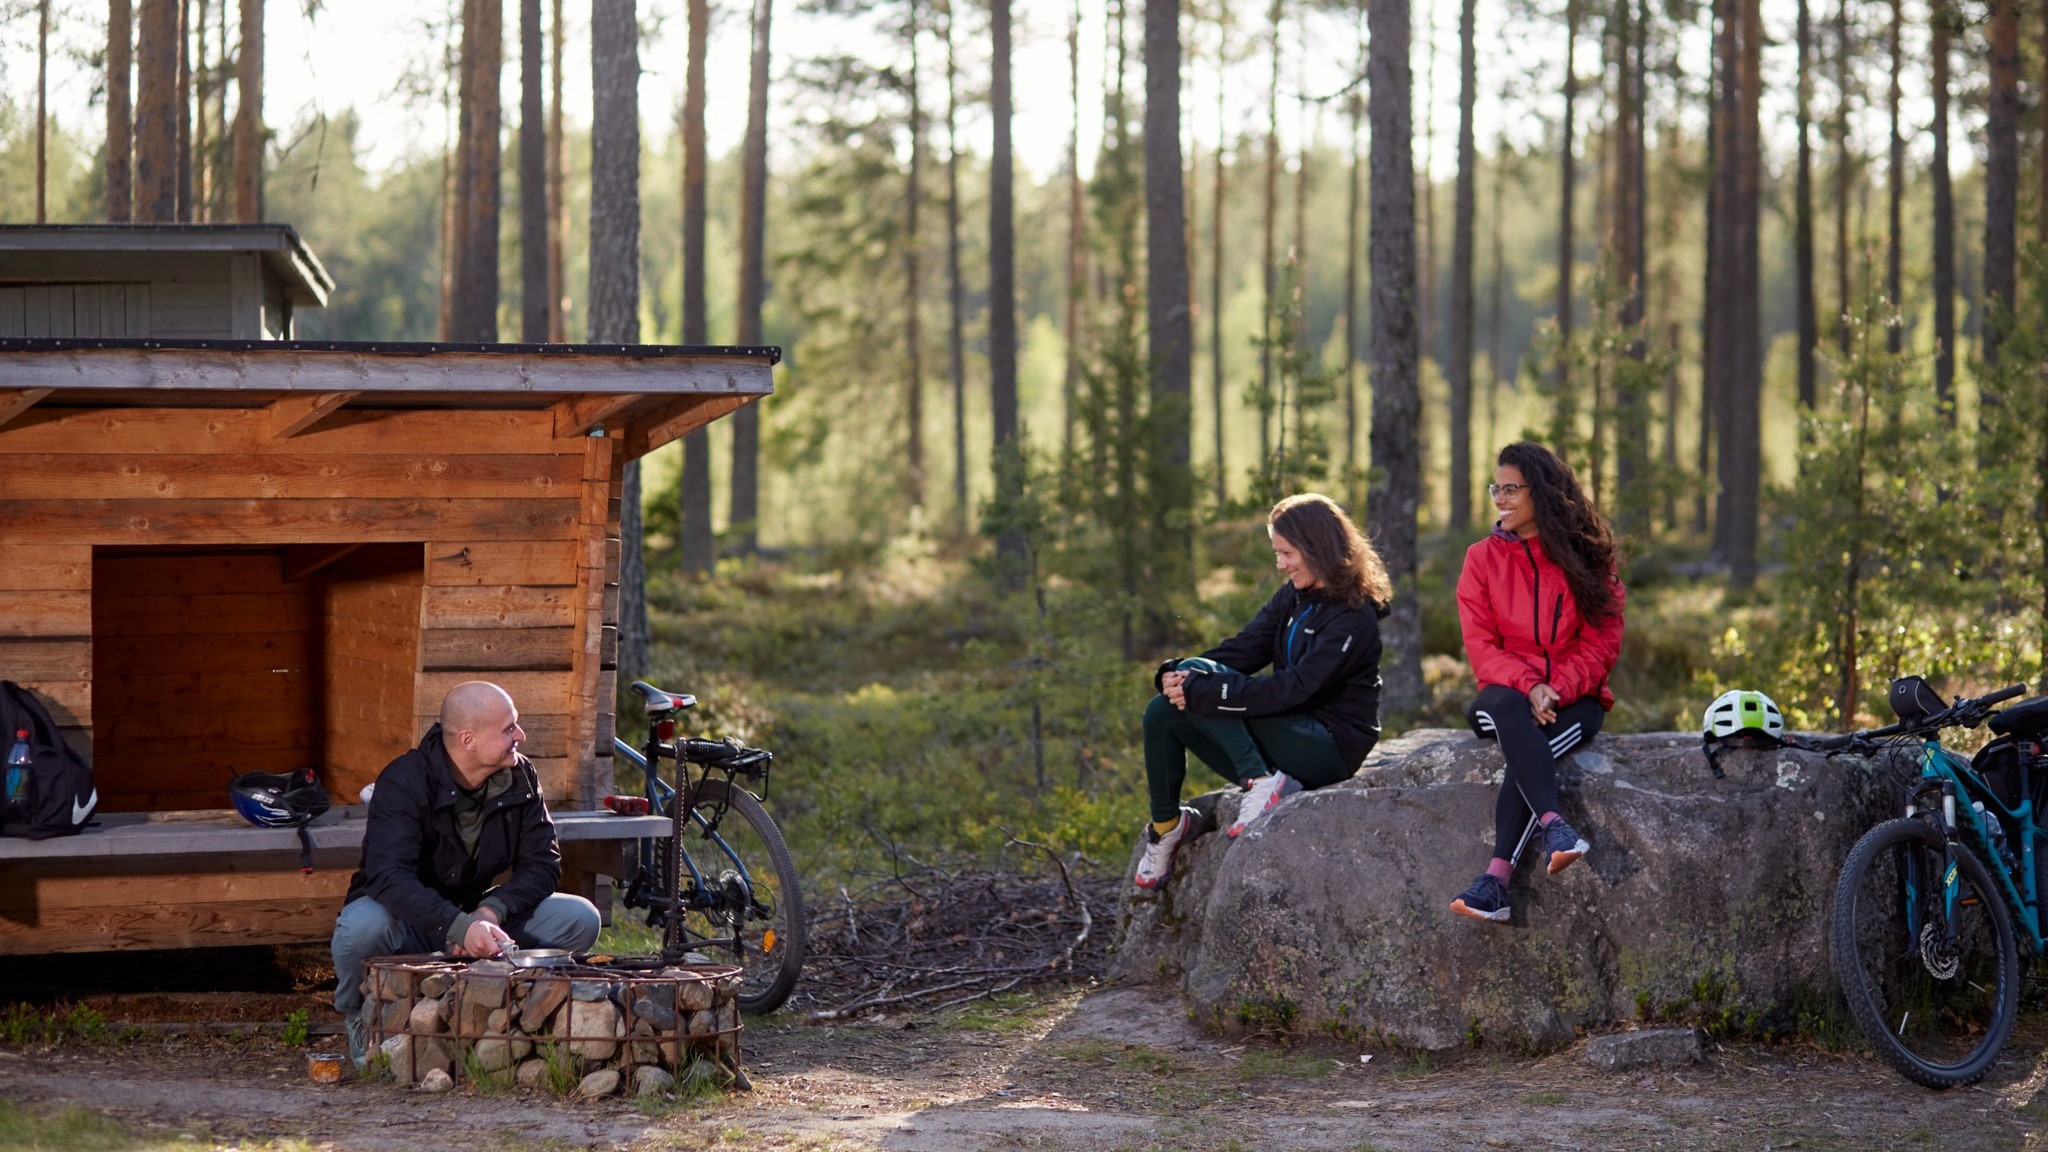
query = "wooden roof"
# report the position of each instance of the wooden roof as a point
(305, 279)
(646, 393)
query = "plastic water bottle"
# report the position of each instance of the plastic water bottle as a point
(17, 766)
(1996, 827)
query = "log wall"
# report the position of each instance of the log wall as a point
(258, 595)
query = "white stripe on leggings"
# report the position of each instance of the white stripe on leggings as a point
(1564, 741)
(1485, 721)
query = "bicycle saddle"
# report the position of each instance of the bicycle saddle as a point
(2029, 719)
(660, 701)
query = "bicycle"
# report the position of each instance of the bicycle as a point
(744, 904)
(1922, 931)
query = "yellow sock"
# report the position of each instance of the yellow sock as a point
(1164, 826)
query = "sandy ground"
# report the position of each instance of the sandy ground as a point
(1095, 1070)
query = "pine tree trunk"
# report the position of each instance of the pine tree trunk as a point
(1567, 193)
(558, 204)
(248, 114)
(1396, 397)
(1726, 366)
(913, 291)
(956, 289)
(156, 113)
(1746, 387)
(1354, 208)
(1942, 19)
(120, 126)
(1895, 187)
(1007, 458)
(699, 548)
(203, 80)
(1844, 54)
(1216, 250)
(614, 292)
(1710, 328)
(746, 423)
(1077, 252)
(1802, 217)
(2001, 186)
(533, 179)
(1496, 325)
(1269, 306)
(1168, 324)
(184, 108)
(473, 311)
(1632, 402)
(1460, 366)
(43, 111)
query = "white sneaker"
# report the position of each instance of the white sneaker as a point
(1264, 795)
(1157, 863)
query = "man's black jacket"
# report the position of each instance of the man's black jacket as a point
(413, 860)
(1326, 662)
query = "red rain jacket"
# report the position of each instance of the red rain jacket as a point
(1522, 626)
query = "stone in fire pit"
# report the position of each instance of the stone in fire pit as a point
(488, 1017)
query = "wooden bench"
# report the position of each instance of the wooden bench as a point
(207, 878)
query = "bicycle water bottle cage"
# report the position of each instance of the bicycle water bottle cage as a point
(1913, 699)
(661, 702)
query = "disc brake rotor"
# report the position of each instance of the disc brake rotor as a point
(1943, 960)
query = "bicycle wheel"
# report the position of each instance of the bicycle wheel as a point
(1937, 1012)
(756, 918)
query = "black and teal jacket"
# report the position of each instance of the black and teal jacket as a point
(1325, 661)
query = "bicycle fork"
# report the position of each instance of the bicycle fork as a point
(1950, 875)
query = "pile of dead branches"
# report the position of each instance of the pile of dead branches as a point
(929, 937)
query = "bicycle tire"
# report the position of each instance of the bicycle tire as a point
(1938, 1016)
(767, 942)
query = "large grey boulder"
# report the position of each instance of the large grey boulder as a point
(1703, 901)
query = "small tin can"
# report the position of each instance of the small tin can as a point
(324, 1067)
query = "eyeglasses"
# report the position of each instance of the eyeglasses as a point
(1507, 491)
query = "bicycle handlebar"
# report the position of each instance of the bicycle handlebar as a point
(1963, 713)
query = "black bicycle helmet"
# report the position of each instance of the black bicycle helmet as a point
(271, 800)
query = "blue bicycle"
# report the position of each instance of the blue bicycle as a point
(1922, 931)
(741, 904)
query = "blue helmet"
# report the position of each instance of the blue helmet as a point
(270, 800)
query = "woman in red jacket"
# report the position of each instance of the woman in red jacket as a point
(1540, 605)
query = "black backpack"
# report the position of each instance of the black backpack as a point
(58, 797)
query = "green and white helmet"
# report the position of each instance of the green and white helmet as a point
(1743, 713)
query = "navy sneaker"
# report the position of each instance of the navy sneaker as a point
(1564, 845)
(1486, 899)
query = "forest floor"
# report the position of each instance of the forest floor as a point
(1089, 1069)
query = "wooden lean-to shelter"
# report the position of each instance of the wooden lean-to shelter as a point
(221, 555)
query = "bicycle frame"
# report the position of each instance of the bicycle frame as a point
(663, 794)
(1958, 781)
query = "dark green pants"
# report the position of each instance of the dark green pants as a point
(1237, 749)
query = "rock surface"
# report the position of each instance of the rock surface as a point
(1649, 1048)
(1702, 901)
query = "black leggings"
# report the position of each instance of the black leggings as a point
(1532, 752)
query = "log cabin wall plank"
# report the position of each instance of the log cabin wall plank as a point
(46, 640)
(355, 431)
(371, 606)
(172, 739)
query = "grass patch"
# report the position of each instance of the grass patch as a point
(27, 1024)
(1263, 1062)
(74, 1129)
(1545, 1099)
(1004, 1012)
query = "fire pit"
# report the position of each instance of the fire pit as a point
(641, 1021)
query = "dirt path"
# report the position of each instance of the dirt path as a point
(1101, 1071)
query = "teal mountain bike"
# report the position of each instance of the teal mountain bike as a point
(1922, 933)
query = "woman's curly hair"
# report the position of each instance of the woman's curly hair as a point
(1573, 532)
(1337, 552)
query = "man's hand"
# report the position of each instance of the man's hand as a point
(1543, 703)
(484, 938)
(1172, 687)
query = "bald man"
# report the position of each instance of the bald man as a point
(447, 819)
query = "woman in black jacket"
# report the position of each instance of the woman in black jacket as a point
(1306, 723)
